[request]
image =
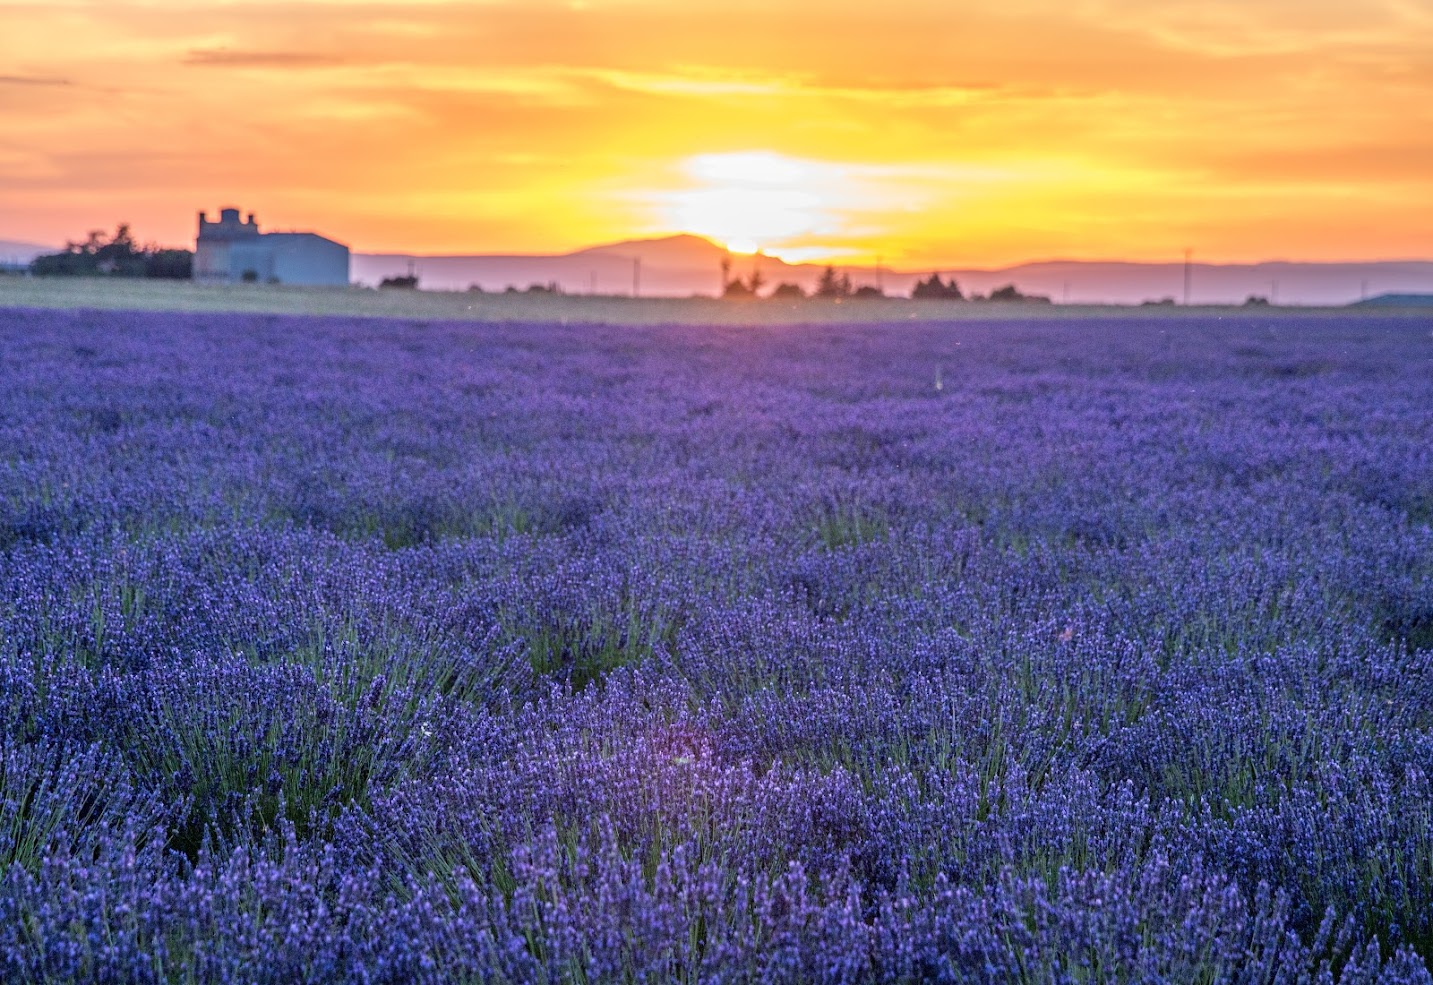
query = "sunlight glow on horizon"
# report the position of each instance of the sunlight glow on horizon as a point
(932, 133)
(746, 200)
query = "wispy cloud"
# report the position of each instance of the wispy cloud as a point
(33, 80)
(238, 58)
(709, 83)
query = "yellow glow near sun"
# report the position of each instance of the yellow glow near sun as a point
(752, 200)
(761, 169)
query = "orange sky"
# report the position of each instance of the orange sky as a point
(930, 132)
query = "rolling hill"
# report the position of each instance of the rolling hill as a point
(679, 266)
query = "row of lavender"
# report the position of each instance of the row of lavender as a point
(1024, 652)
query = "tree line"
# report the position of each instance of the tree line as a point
(120, 255)
(836, 285)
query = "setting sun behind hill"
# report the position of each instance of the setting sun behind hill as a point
(932, 132)
(746, 200)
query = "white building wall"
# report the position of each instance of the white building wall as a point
(211, 261)
(233, 251)
(306, 258)
(253, 257)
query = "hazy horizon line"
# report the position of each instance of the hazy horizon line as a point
(899, 267)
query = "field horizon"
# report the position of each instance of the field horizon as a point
(108, 294)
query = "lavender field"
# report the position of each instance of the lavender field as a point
(340, 650)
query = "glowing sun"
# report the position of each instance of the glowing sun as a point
(751, 200)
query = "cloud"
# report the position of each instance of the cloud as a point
(1385, 166)
(712, 83)
(33, 80)
(237, 58)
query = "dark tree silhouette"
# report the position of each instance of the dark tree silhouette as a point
(117, 256)
(833, 285)
(935, 289)
(734, 288)
(169, 264)
(737, 290)
(787, 292)
(1011, 293)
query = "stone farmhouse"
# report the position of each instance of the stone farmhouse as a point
(233, 251)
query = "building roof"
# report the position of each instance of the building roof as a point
(1396, 301)
(278, 237)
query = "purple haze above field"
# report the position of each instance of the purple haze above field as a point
(15, 253)
(681, 266)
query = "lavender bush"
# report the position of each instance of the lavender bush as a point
(378, 651)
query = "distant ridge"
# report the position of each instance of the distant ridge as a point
(13, 252)
(684, 265)
(684, 249)
(1397, 301)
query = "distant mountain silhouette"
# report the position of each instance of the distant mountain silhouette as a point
(12, 252)
(1281, 281)
(671, 266)
(683, 250)
(1398, 301)
(684, 265)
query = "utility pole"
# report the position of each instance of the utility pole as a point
(1187, 254)
(1065, 298)
(636, 276)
